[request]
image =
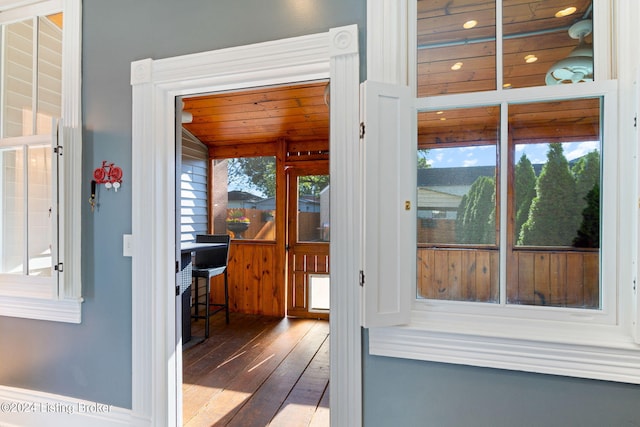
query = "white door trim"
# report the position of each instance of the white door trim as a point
(156, 350)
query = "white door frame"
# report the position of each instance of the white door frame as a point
(156, 364)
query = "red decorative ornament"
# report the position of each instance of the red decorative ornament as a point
(109, 175)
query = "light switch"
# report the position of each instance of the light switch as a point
(127, 245)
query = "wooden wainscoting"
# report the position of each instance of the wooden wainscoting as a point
(534, 277)
(253, 285)
(458, 274)
(560, 279)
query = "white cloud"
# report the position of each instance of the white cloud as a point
(576, 150)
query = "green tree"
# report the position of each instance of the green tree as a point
(475, 221)
(312, 185)
(552, 217)
(256, 172)
(525, 188)
(586, 173)
(260, 173)
(422, 159)
(589, 231)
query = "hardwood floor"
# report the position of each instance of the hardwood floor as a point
(257, 371)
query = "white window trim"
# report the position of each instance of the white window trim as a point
(64, 303)
(438, 331)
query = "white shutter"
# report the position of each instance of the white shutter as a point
(389, 191)
(636, 218)
(57, 206)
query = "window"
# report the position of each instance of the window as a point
(552, 204)
(40, 159)
(244, 197)
(27, 227)
(518, 143)
(313, 208)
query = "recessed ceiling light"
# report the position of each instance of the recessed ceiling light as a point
(439, 112)
(456, 66)
(507, 85)
(470, 24)
(443, 118)
(530, 58)
(566, 12)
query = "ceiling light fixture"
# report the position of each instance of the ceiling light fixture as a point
(470, 24)
(578, 66)
(456, 66)
(565, 12)
(530, 59)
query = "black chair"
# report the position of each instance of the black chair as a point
(210, 263)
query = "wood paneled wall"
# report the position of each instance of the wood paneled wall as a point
(461, 275)
(559, 279)
(252, 285)
(565, 279)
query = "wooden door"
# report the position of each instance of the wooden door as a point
(308, 228)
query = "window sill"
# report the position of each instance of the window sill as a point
(65, 310)
(607, 353)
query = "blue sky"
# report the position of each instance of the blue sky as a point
(486, 155)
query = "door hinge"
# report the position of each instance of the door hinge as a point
(177, 291)
(177, 267)
(361, 278)
(58, 150)
(59, 267)
(361, 130)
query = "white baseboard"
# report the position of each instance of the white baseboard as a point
(25, 408)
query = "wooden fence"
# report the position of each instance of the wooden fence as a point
(553, 278)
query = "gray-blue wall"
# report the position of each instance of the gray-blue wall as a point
(93, 360)
(409, 393)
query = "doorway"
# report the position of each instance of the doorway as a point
(156, 378)
(262, 366)
(308, 237)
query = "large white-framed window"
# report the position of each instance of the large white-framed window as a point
(40, 160)
(473, 297)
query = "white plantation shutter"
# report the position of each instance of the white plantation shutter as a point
(388, 180)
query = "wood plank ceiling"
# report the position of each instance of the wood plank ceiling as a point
(297, 113)
(463, 32)
(300, 114)
(457, 53)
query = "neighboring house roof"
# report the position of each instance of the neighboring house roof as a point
(438, 177)
(243, 196)
(441, 177)
(432, 199)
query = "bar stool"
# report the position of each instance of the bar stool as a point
(211, 263)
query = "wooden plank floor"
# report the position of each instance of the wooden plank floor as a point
(257, 371)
